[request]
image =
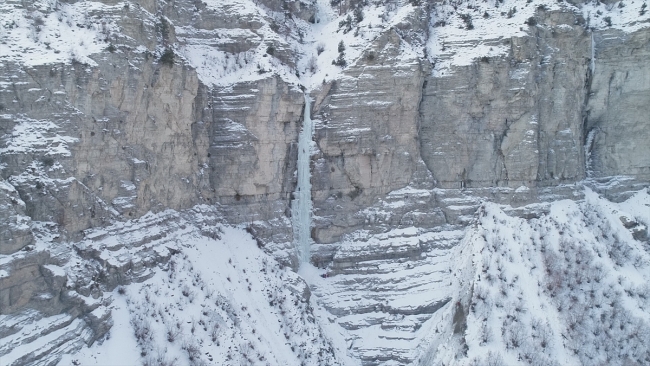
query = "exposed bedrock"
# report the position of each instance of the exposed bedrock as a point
(618, 110)
(118, 144)
(511, 120)
(366, 131)
(519, 121)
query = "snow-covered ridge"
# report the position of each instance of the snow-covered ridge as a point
(567, 288)
(241, 40)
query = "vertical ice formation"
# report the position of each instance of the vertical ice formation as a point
(593, 54)
(589, 143)
(302, 204)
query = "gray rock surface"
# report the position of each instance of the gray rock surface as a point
(366, 131)
(617, 110)
(15, 232)
(511, 120)
(402, 153)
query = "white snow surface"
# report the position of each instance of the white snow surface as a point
(220, 301)
(568, 288)
(59, 32)
(54, 32)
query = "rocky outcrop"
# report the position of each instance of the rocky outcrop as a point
(366, 130)
(15, 233)
(384, 289)
(512, 120)
(505, 121)
(137, 142)
(253, 131)
(405, 151)
(617, 122)
(127, 131)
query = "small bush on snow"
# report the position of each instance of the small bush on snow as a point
(192, 350)
(492, 359)
(312, 65)
(467, 19)
(172, 333)
(141, 329)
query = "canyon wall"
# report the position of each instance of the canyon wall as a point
(404, 137)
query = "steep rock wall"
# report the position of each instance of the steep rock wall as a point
(253, 131)
(366, 133)
(118, 145)
(515, 119)
(618, 110)
(126, 135)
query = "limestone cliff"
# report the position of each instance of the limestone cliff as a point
(162, 119)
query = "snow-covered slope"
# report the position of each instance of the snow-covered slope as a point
(216, 301)
(559, 283)
(204, 293)
(568, 287)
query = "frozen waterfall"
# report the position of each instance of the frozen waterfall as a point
(302, 205)
(593, 54)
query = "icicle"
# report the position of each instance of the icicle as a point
(302, 205)
(593, 54)
(588, 146)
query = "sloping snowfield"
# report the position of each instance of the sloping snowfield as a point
(571, 287)
(218, 301)
(568, 287)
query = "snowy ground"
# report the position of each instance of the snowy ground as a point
(219, 301)
(567, 287)
(299, 51)
(570, 287)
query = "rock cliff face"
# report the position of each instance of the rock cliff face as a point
(615, 120)
(514, 119)
(112, 112)
(366, 134)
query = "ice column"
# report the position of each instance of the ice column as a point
(593, 54)
(302, 205)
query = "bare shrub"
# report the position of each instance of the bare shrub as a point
(486, 334)
(172, 333)
(141, 329)
(160, 359)
(192, 350)
(494, 359)
(541, 333)
(214, 333)
(312, 65)
(320, 48)
(186, 291)
(513, 335)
